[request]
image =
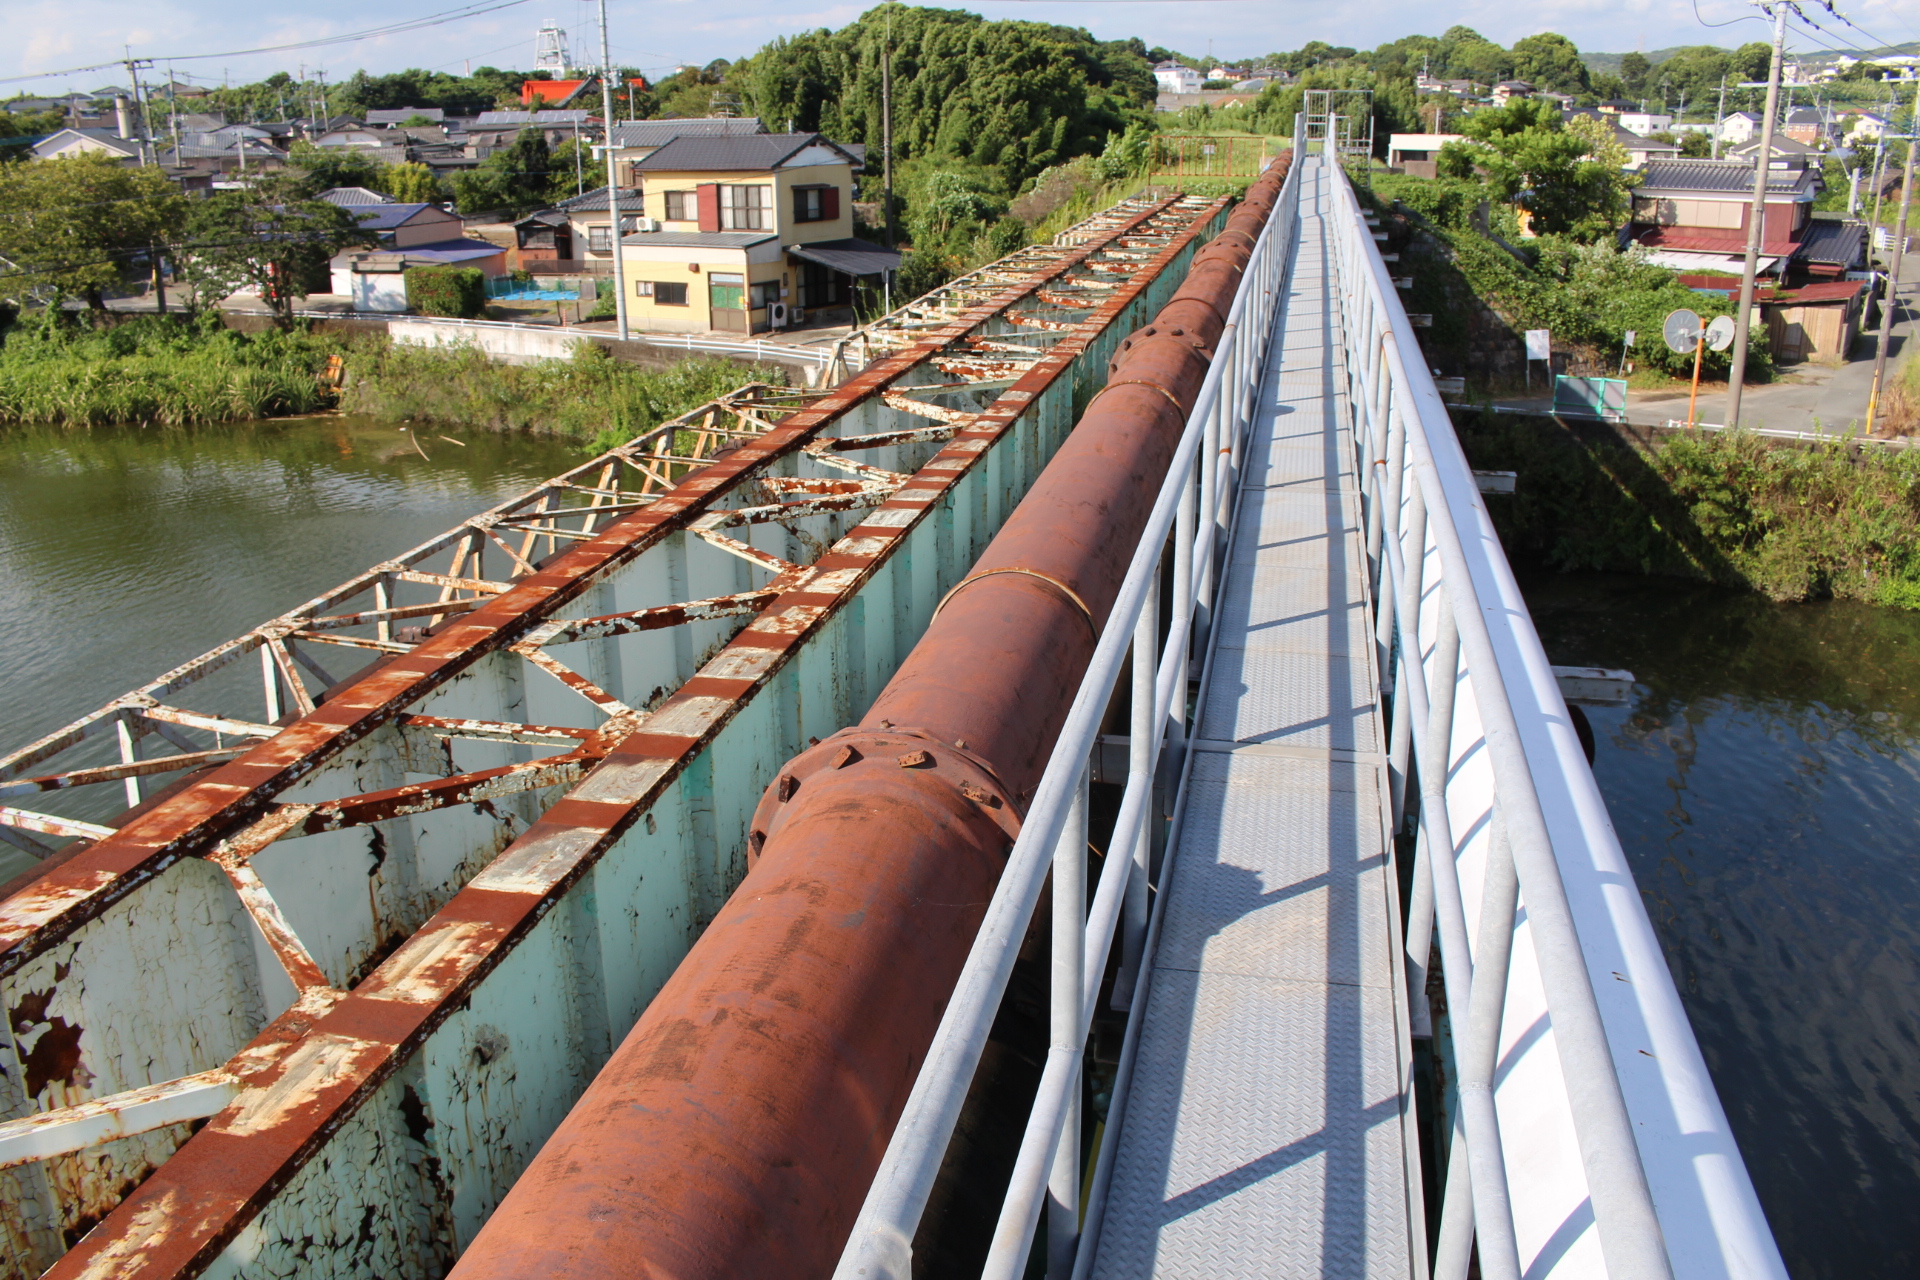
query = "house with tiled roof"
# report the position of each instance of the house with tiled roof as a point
(411, 235)
(745, 232)
(1692, 214)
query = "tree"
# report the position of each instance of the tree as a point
(76, 225)
(272, 235)
(26, 125)
(323, 167)
(1009, 96)
(1548, 61)
(411, 182)
(514, 180)
(1633, 72)
(573, 168)
(1550, 171)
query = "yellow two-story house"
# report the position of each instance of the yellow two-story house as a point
(747, 233)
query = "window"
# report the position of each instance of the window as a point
(666, 293)
(643, 288)
(816, 204)
(764, 295)
(726, 291)
(746, 208)
(680, 207)
(599, 240)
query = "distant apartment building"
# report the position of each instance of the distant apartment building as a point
(1172, 77)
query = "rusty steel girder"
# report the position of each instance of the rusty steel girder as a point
(736, 1128)
(304, 1079)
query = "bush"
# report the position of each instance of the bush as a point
(447, 291)
(1792, 523)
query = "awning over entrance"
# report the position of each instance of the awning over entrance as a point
(849, 257)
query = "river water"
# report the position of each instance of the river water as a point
(1765, 784)
(1765, 780)
(124, 552)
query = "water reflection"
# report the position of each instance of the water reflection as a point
(125, 551)
(1764, 783)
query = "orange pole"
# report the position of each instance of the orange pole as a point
(1699, 348)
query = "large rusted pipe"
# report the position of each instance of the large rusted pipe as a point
(736, 1129)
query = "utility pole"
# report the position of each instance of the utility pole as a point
(1719, 117)
(613, 190)
(1892, 303)
(1756, 218)
(886, 122)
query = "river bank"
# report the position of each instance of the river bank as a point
(1789, 522)
(174, 372)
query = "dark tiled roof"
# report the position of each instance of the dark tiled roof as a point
(746, 153)
(385, 217)
(851, 257)
(699, 239)
(507, 119)
(658, 133)
(1730, 176)
(398, 114)
(596, 201)
(1844, 243)
(348, 197)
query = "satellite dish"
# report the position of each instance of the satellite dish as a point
(1681, 331)
(1720, 333)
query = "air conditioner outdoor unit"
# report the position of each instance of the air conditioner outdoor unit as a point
(777, 315)
(646, 224)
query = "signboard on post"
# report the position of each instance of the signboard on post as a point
(1539, 344)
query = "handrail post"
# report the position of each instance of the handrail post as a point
(1144, 726)
(1069, 963)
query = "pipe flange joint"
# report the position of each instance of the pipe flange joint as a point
(966, 774)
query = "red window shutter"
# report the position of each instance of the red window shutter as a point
(708, 194)
(830, 203)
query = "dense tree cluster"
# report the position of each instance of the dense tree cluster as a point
(1008, 97)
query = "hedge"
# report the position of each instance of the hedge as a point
(447, 291)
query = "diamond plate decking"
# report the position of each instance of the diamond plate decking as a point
(1264, 1132)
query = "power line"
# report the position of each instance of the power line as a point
(473, 10)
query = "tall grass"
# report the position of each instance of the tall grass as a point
(590, 397)
(156, 370)
(170, 371)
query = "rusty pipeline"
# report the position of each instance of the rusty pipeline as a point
(735, 1130)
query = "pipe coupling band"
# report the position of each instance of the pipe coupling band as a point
(1049, 579)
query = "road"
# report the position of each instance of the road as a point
(1824, 399)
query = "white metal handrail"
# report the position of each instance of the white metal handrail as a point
(1409, 525)
(1053, 834)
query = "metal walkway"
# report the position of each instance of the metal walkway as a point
(1265, 1131)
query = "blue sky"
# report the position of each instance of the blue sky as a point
(659, 33)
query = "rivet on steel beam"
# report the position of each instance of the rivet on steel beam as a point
(788, 785)
(756, 841)
(914, 759)
(846, 757)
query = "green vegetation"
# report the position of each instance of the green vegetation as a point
(1589, 295)
(1792, 523)
(1533, 162)
(447, 291)
(272, 236)
(175, 371)
(591, 398)
(26, 124)
(515, 180)
(155, 370)
(75, 226)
